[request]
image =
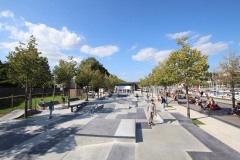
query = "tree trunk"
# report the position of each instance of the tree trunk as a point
(87, 94)
(166, 95)
(188, 107)
(68, 97)
(152, 93)
(54, 91)
(233, 95)
(30, 98)
(26, 101)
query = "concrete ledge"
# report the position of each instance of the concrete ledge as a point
(126, 128)
(82, 140)
(166, 116)
(106, 130)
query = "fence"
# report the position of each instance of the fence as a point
(10, 103)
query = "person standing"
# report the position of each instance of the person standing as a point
(51, 108)
(163, 102)
(152, 111)
(63, 101)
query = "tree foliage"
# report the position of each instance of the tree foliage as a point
(188, 66)
(27, 68)
(65, 71)
(3, 74)
(229, 72)
(112, 80)
(89, 72)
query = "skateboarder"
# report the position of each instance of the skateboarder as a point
(152, 111)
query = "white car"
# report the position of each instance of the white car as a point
(91, 93)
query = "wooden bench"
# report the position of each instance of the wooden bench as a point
(74, 99)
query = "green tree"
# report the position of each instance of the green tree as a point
(113, 80)
(64, 73)
(188, 66)
(26, 68)
(229, 72)
(3, 74)
(89, 72)
(98, 80)
(163, 76)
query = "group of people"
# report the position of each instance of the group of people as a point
(152, 109)
(209, 104)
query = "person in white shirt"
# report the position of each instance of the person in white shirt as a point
(152, 111)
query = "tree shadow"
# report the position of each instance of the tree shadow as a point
(43, 138)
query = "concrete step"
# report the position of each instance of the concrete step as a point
(166, 116)
(106, 130)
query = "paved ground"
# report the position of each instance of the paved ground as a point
(222, 114)
(108, 134)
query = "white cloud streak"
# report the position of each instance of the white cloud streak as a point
(209, 48)
(102, 51)
(178, 35)
(151, 54)
(7, 14)
(133, 47)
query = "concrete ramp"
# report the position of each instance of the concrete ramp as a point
(106, 130)
(13, 115)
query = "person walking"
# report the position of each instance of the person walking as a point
(63, 101)
(152, 111)
(51, 108)
(163, 102)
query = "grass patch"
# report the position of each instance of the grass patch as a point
(19, 103)
(197, 122)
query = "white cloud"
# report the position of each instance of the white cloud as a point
(49, 37)
(209, 48)
(133, 47)
(162, 55)
(203, 40)
(6, 14)
(151, 54)
(9, 45)
(178, 35)
(54, 43)
(101, 51)
(145, 54)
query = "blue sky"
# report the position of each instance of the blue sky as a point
(129, 37)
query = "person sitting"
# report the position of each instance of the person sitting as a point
(197, 101)
(213, 105)
(208, 103)
(236, 110)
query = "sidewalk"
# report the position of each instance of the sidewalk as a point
(226, 133)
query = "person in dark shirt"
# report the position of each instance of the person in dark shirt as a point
(51, 108)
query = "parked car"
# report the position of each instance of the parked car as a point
(91, 93)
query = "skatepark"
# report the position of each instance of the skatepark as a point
(118, 131)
